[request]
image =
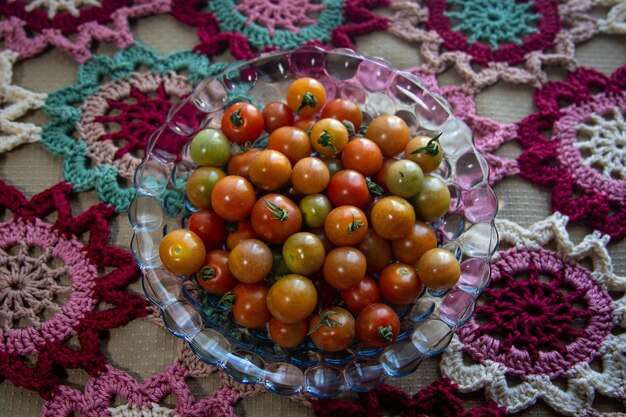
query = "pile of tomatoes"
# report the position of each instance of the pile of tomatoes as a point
(327, 223)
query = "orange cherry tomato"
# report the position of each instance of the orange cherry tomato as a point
(294, 143)
(333, 329)
(346, 226)
(182, 252)
(288, 335)
(250, 261)
(362, 155)
(390, 133)
(343, 109)
(329, 137)
(438, 269)
(310, 175)
(292, 298)
(392, 217)
(306, 96)
(410, 248)
(270, 170)
(233, 198)
(344, 267)
(250, 307)
(239, 164)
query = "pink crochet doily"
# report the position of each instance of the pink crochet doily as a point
(59, 281)
(583, 159)
(548, 315)
(28, 28)
(489, 40)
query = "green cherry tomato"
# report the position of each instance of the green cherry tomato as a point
(433, 201)
(210, 148)
(315, 209)
(304, 253)
(404, 178)
(200, 186)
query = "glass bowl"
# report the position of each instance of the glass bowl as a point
(249, 356)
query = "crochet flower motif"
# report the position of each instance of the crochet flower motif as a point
(71, 25)
(440, 398)
(101, 129)
(488, 40)
(249, 27)
(615, 21)
(584, 159)
(141, 398)
(489, 135)
(15, 102)
(545, 316)
(59, 281)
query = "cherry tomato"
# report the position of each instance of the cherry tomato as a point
(200, 186)
(377, 251)
(329, 137)
(404, 178)
(377, 325)
(362, 155)
(277, 114)
(332, 330)
(270, 170)
(182, 252)
(244, 231)
(250, 261)
(328, 245)
(305, 123)
(306, 96)
(210, 148)
(279, 266)
(304, 253)
(425, 151)
(399, 284)
(343, 109)
(410, 248)
(315, 208)
(390, 133)
(361, 295)
(344, 267)
(209, 227)
(393, 217)
(326, 295)
(250, 307)
(275, 218)
(381, 176)
(310, 175)
(239, 164)
(242, 122)
(433, 201)
(292, 142)
(334, 164)
(215, 276)
(292, 298)
(288, 335)
(346, 226)
(438, 269)
(233, 198)
(348, 188)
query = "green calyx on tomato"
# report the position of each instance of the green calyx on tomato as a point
(355, 225)
(350, 126)
(385, 333)
(307, 100)
(279, 212)
(227, 301)
(207, 273)
(327, 141)
(235, 117)
(325, 320)
(431, 148)
(375, 189)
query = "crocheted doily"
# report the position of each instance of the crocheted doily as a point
(248, 27)
(488, 40)
(15, 102)
(615, 20)
(584, 159)
(440, 398)
(28, 27)
(548, 315)
(60, 288)
(489, 135)
(101, 128)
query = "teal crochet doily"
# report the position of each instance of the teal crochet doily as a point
(100, 124)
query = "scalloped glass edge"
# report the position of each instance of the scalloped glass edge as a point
(468, 229)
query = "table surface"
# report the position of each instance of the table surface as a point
(143, 348)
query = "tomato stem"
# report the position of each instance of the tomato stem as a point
(350, 126)
(279, 212)
(355, 225)
(385, 333)
(325, 320)
(326, 140)
(207, 273)
(431, 148)
(235, 117)
(227, 301)
(307, 100)
(375, 189)
(363, 130)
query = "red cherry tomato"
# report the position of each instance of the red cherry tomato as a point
(242, 122)
(233, 198)
(362, 155)
(377, 325)
(250, 307)
(250, 261)
(343, 109)
(214, 276)
(288, 335)
(399, 284)
(348, 188)
(275, 218)
(244, 231)
(294, 143)
(209, 227)
(239, 164)
(361, 295)
(332, 329)
(277, 114)
(344, 267)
